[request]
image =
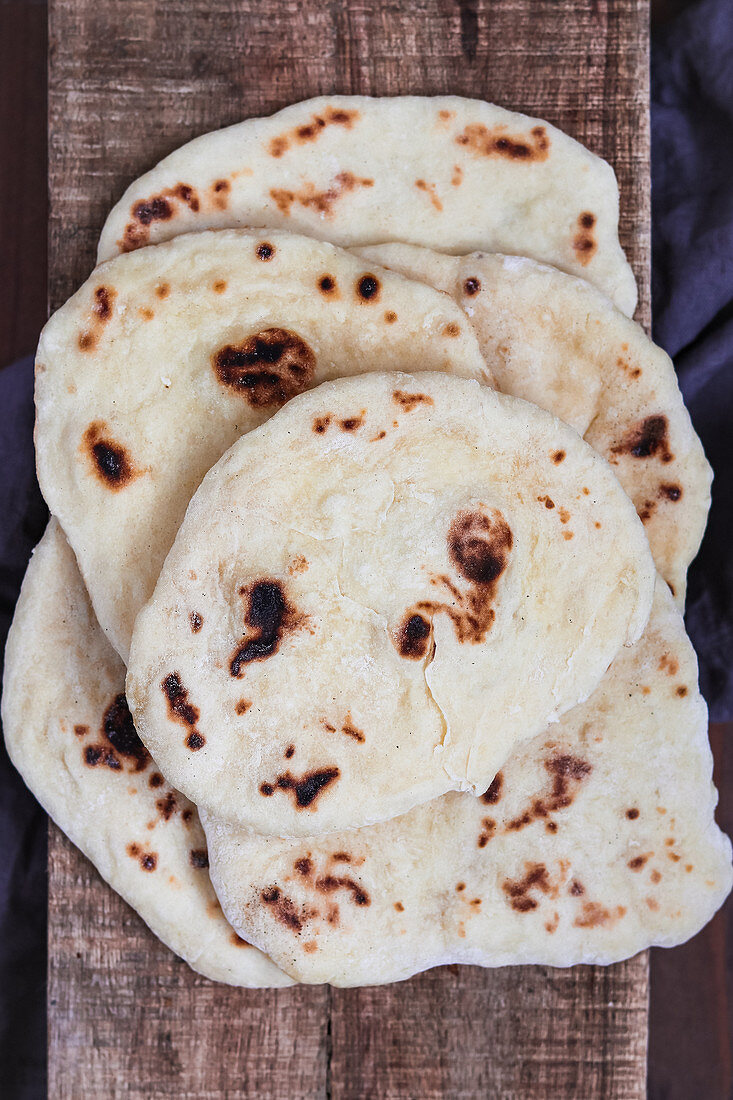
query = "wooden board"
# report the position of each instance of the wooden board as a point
(128, 83)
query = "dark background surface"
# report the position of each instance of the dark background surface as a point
(692, 174)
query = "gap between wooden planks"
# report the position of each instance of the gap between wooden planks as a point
(127, 84)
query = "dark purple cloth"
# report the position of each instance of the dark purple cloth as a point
(692, 213)
(22, 822)
(692, 292)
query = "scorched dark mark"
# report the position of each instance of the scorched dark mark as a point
(267, 368)
(327, 285)
(269, 617)
(284, 909)
(310, 131)
(584, 243)
(148, 860)
(167, 806)
(156, 209)
(647, 440)
(199, 858)
(413, 637)
(110, 461)
(181, 711)
(567, 773)
(306, 789)
(493, 794)
(519, 891)
(497, 143)
(118, 740)
(119, 729)
(368, 288)
(104, 297)
(479, 547)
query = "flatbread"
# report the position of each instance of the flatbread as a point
(596, 840)
(375, 595)
(69, 733)
(167, 355)
(557, 341)
(449, 173)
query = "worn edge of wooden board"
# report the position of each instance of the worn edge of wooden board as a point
(436, 1028)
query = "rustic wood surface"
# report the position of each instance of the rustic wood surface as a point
(128, 83)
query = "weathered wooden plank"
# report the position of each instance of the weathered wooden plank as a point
(127, 84)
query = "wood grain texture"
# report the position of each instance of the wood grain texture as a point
(128, 83)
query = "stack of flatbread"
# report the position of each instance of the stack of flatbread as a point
(355, 644)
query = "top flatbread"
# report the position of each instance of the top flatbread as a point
(595, 841)
(70, 735)
(556, 341)
(375, 595)
(449, 173)
(167, 355)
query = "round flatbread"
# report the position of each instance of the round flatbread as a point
(70, 735)
(557, 341)
(167, 355)
(449, 173)
(595, 841)
(374, 596)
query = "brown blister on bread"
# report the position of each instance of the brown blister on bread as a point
(87, 340)
(520, 891)
(148, 860)
(311, 131)
(220, 190)
(410, 401)
(167, 806)
(198, 858)
(196, 622)
(181, 710)
(119, 741)
(109, 460)
(328, 286)
(310, 198)
(482, 141)
(284, 909)
(567, 773)
(265, 251)
(306, 789)
(594, 915)
(160, 207)
(266, 368)
(672, 493)
(648, 439)
(493, 794)
(368, 288)
(585, 245)
(329, 883)
(479, 548)
(430, 190)
(413, 636)
(104, 297)
(269, 616)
